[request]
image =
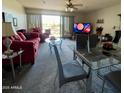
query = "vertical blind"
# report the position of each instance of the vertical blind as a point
(34, 21)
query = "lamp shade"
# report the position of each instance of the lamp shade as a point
(8, 29)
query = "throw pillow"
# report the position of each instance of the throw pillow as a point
(28, 36)
(12, 38)
(17, 37)
(22, 35)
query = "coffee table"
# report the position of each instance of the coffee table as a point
(51, 42)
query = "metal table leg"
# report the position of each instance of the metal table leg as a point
(13, 71)
(50, 48)
(91, 84)
(20, 58)
(61, 44)
(74, 57)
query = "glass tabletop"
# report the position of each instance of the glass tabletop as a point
(14, 54)
(53, 41)
(96, 59)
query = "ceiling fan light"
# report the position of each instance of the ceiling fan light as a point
(66, 9)
(71, 9)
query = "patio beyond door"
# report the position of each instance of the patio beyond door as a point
(51, 23)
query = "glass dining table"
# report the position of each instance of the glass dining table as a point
(96, 60)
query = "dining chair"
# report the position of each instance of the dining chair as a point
(114, 77)
(70, 71)
(117, 36)
(82, 41)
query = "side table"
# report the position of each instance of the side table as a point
(10, 57)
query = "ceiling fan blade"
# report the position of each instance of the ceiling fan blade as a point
(70, 6)
(75, 8)
(66, 2)
(77, 4)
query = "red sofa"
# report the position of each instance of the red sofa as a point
(29, 44)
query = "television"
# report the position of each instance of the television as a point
(82, 28)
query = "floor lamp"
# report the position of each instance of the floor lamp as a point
(7, 31)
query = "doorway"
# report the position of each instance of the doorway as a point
(51, 23)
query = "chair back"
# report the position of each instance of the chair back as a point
(61, 74)
(48, 31)
(75, 71)
(93, 40)
(114, 78)
(81, 41)
(117, 36)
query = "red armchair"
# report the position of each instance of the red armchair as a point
(38, 30)
(30, 47)
(42, 36)
(47, 33)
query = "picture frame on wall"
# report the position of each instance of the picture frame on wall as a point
(6, 17)
(14, 21)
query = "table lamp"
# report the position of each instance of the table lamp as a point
(7, 31)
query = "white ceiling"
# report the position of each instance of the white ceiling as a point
(88, 5)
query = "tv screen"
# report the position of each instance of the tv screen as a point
(82, 27)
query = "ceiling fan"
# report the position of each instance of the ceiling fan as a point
(71, 7)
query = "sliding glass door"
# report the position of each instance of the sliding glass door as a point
(51, 23)
(59, 26)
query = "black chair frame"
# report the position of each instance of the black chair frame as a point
(62, 79)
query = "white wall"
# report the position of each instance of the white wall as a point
(110, 16)
(16, 10)
(81, 19)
